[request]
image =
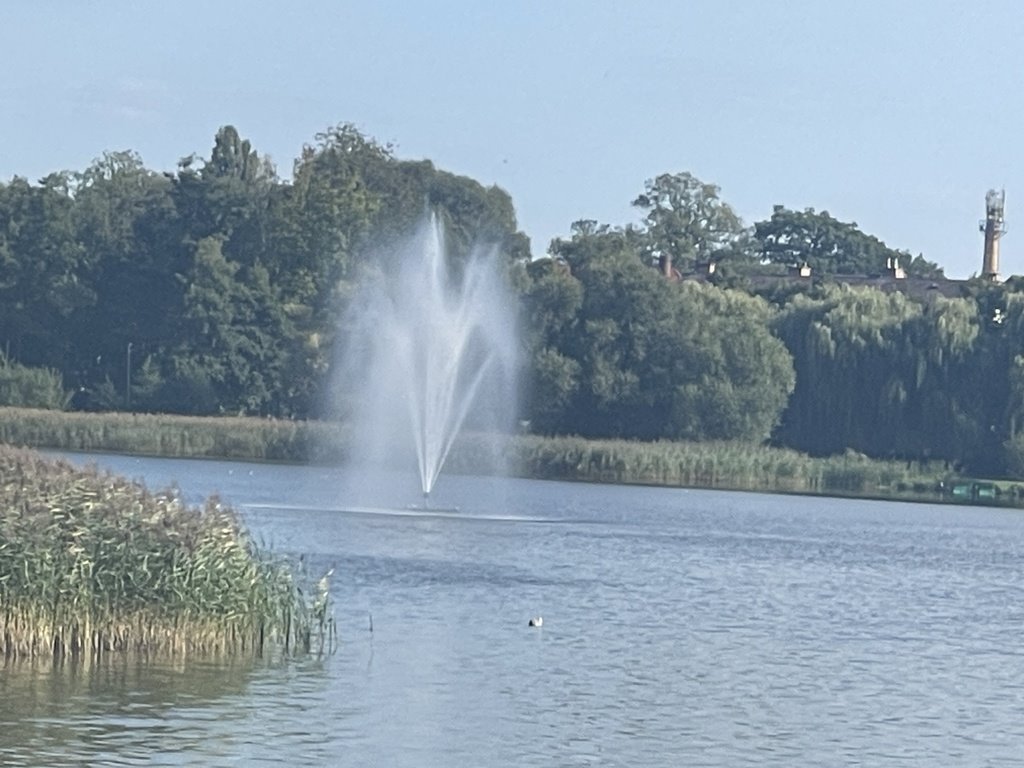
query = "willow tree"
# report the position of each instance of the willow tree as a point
(997, 381)
(879, 373)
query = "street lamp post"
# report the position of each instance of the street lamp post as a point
(128, 379)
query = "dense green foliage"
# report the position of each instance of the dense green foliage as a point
(686, 221)
(621, 352)
(830, 247)
(90, 563)
(25, 387)
(625, 353)
(878, 370)
(220, 289)
(891, 376)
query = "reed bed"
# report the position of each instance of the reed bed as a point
(172, 436)
(92, 564)
(724, 465)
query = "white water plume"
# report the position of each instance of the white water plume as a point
(430, 343)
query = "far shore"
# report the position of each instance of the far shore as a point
(710, 465)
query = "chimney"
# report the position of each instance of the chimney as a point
(665, 264)
(896, 272)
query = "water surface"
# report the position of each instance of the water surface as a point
(680, 628)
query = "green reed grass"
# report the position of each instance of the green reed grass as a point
(174, 436)
(724, 465)
(92, 564)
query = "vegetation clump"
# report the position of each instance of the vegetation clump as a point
(92, 564)
(172, 436)
(724, 466)
(25, 387)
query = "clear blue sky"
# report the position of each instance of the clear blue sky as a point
(896, 115)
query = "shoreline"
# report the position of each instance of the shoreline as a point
(706, 466)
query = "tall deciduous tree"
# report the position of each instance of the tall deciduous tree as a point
(126, 221)
(638, 356)
(830, 246)
(41, 266)
(687, 220)
(230, 359)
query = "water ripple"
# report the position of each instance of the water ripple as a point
(691, 629)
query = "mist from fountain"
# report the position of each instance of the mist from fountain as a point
(431, 343)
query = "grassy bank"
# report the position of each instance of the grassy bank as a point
(725, 466)
(173, 436)
(92, 564)
(729, 466)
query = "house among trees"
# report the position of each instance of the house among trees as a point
(834, 247)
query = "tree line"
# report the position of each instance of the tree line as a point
(220, 288)
(216, 288)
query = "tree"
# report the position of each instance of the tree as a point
(125, 218)
(880, 373)
(622, 352)
(230, 358)
(591, 241)
(24, 387)
(475, 215)
(687, 221)
(323, 217)
(742, 376)
(42, 264)
(829, 246)
(993, 389)
(227, 196)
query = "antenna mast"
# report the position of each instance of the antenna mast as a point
(994, 227)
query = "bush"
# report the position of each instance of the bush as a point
(25, 387)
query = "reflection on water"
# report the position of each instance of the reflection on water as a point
(680, 628)
(136, 712)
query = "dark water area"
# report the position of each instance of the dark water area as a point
(680, 627)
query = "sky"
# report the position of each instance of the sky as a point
(898, 116)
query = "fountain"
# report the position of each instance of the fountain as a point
(431, 345)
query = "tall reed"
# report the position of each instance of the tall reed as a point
(229, 437)
(92, 564)
(724, 465)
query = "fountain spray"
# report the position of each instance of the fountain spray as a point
(435, 341)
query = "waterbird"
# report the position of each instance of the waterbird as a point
(537, 621)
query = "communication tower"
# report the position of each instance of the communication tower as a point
(994, 227)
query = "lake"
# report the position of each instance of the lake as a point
(680, 628)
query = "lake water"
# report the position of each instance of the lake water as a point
(681, 628)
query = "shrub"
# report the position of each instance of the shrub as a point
(27, 387)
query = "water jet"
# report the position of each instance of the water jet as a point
(431, 349)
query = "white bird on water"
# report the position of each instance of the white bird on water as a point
(537, 621)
